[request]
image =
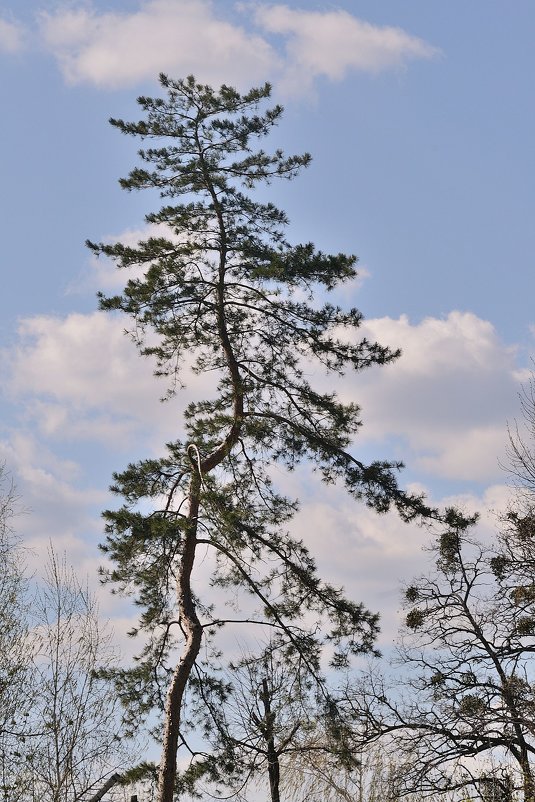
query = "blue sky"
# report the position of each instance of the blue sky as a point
(420, 119)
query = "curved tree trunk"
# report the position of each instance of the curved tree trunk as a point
(193, 632)
(189, 621)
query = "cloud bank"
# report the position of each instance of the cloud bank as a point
(331, 44)
(292, 46)
(113, 49)
(448, 398)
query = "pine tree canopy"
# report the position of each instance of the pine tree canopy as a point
(222, 292)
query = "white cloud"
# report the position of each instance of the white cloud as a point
(11, 36)
(114, 49)
(63, 358)
(102, 273)
(333, 43)
(22, 453)
(449, 396)
(476, 454)
(52, 505)
(81, 379)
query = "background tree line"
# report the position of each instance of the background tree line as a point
(458, 702)
(60, 726)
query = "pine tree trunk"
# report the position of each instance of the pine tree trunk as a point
(193, 633)
(528, 781)
(269, 734)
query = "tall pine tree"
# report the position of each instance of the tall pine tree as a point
(224, 293)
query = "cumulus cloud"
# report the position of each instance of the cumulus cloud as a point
(332, 43)
(82, 379)
(79, 378)
(102, 273)
(11, 36)
(373, 556)
(449, 396)
(115, 49)
(52, 504)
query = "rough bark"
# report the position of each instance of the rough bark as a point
(527, 778)
(269, 735)
(192, 629)
(110, 782)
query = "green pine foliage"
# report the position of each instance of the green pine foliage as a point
(225, 294)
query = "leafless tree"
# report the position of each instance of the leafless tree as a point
(521, 452)
(373, 776)
(16, 670)
(461, 695)
(60, 726)
(80, 743)
(261, 717)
